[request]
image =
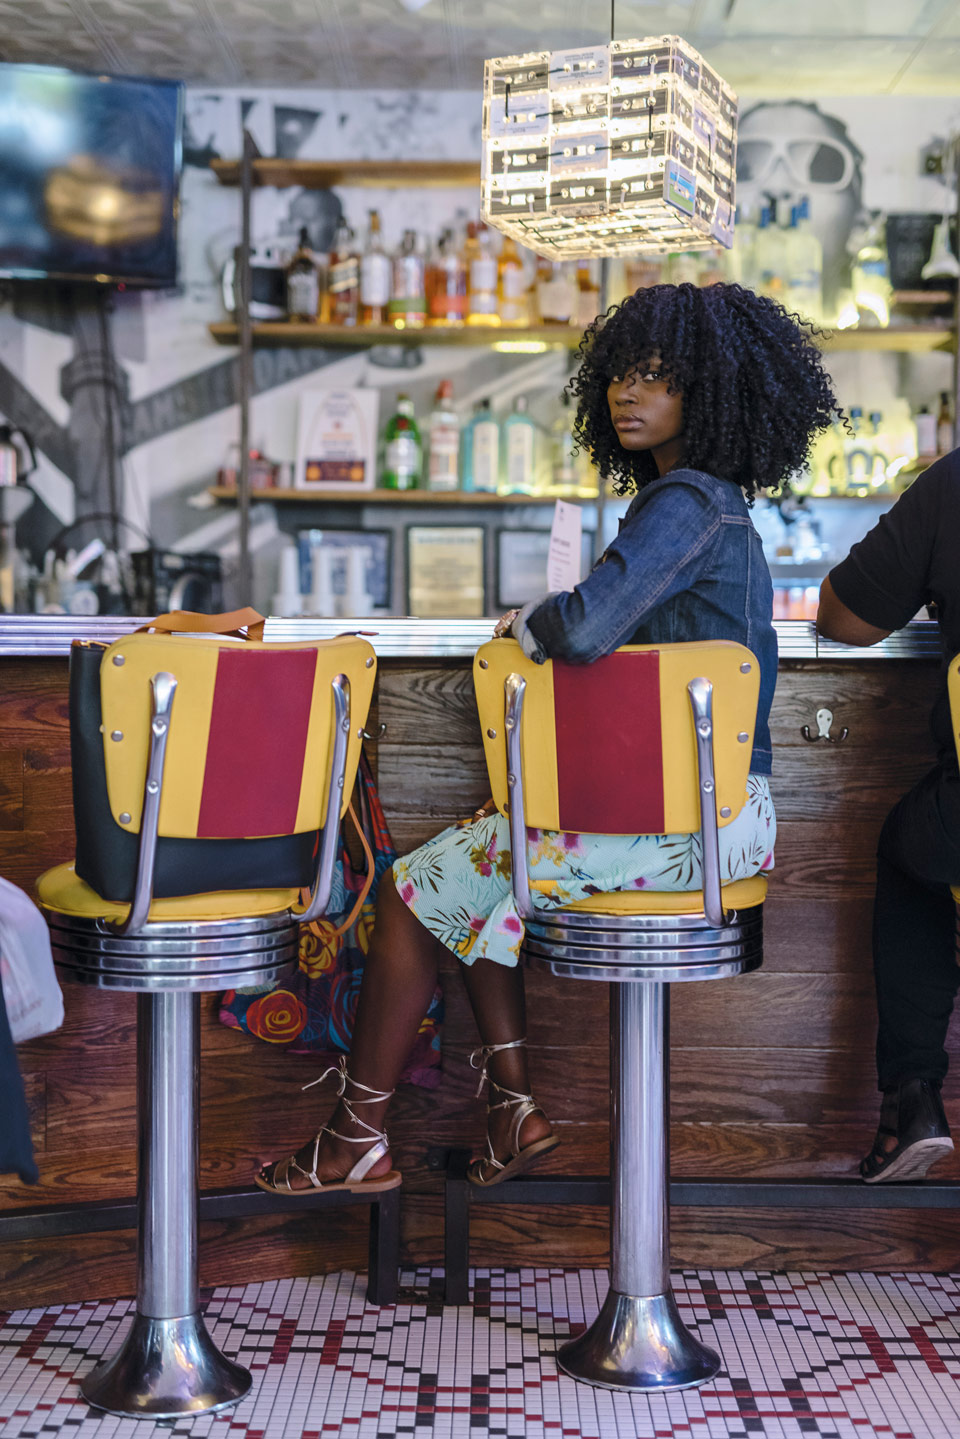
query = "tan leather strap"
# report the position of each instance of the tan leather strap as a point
(246, 624)
(328, 934)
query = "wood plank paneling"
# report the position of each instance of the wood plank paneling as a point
(772, 1074)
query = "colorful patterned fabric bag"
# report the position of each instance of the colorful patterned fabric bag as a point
(313, 1012)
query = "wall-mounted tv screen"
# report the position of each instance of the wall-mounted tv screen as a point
(89, 176)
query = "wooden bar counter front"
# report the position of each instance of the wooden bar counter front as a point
(772, 1073)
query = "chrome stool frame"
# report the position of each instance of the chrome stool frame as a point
(638, 1341)
(168, 1364)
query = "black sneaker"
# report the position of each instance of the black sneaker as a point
(912, 1114)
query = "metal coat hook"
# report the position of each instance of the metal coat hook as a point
(824, 721)
(381, 731)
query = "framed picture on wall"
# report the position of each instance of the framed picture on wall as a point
(378, 545)
(445, 571)
(521, 565)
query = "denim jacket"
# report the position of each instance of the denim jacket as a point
(686, 565)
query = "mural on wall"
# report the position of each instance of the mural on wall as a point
(148, 373)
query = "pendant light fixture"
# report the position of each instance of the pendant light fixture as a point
(620, 149)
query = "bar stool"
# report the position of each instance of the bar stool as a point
(249, 772)
(644, 741)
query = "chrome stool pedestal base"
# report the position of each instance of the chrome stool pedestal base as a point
(168, 1364)
(639, 1344)
(165, 1368)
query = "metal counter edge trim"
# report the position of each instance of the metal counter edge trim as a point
(49, 637)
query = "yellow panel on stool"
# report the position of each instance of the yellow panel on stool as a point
(61, 891)
(739, 894)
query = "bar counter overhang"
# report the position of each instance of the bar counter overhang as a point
(772, 1074)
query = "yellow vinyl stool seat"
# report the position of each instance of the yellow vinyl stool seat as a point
(739, 894)
(62, 891)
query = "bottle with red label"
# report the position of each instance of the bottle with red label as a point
(443, 463)
(447, 284)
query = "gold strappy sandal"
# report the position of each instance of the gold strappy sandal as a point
(524, 1104)
(279, 1181)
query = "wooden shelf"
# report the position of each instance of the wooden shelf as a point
(903, 338)
(321, 174)
(907, 339)
(385, 497)
(295, 332)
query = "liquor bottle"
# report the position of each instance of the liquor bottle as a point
(403, 449)
(408, 300)
(303, 282)
(480, 448)
(444, 454)
(588, 293)
(926, 432)
(556, 292)
(741, 263)
(768, 256)
(881, 456)
(512, 303)
(344, 282)
(481, 265)
(447, 284)
(375, 276)
(872, 291)
(944, 425)
(857, 456)
(565, 460)
(804, 289)
(519, 470)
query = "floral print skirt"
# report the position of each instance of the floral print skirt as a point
(458, 884)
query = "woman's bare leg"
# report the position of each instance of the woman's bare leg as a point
(498, 1000)
(399, 978)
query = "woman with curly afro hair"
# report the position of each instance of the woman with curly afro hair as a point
(693, 401)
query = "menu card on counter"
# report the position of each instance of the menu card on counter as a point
(445, 571)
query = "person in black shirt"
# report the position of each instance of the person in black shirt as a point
(909, 559)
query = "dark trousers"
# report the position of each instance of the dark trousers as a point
(914, 929)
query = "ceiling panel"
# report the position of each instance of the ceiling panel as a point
(762, 46)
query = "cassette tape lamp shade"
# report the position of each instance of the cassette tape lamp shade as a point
(620, 149)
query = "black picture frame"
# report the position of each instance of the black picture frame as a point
(380, 569)
(511, 594)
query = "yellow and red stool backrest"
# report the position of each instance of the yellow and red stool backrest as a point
(250, 731)
(610, 747)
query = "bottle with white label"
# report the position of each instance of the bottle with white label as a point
(481, 265)
(444, 457)
(376, 276)
(519, 475)
(480, 448)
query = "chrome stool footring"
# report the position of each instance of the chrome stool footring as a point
(168, 1365)
(638, 1341)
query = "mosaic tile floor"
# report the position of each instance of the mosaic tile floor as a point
(837, 1355)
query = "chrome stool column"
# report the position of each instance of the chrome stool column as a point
(168, 1365)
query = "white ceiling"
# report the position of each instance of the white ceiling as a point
(835, 47)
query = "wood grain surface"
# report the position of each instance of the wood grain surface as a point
(772, 1073)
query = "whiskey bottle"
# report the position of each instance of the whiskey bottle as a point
(408, 301)
(344, 283)
(303, 282)
(375, 276)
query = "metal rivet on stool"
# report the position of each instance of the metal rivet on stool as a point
(118, 659)
(491, 734)
(484, 665)
(745, 669)
(116, 734)
(725, 812)
(369, 662)
(124, 818)
(153, 788)
(742, 737)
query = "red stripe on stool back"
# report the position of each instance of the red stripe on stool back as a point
(609, 755)
(258, 735)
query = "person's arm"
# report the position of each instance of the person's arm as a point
(884, 580)
(836, 621)
(659, 553)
